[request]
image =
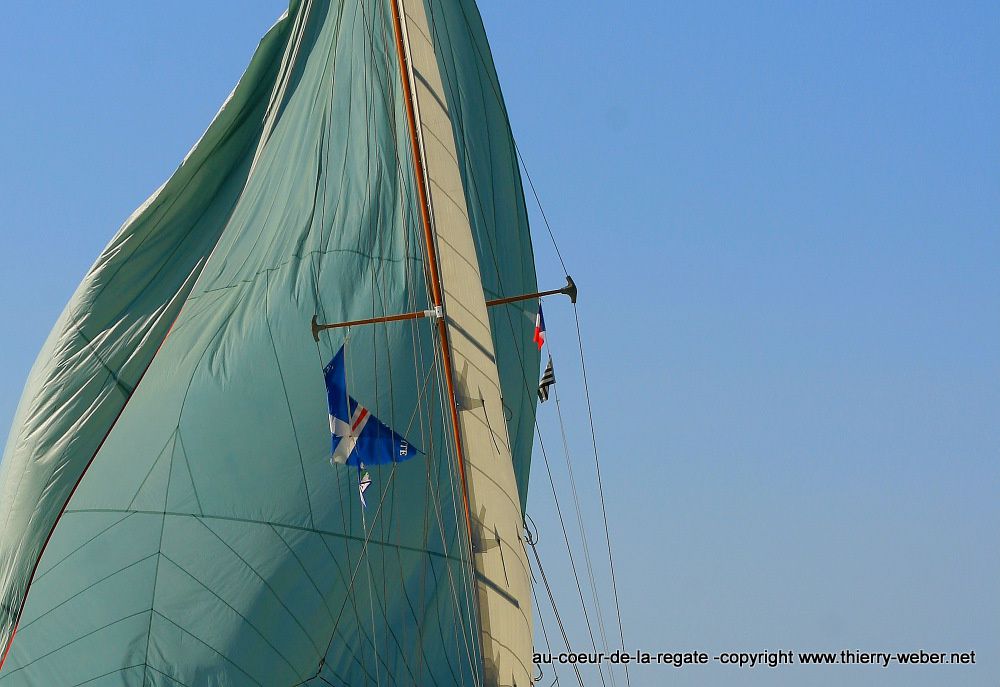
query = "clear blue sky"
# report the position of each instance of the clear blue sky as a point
(784, 221)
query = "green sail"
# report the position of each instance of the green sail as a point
(168, 514)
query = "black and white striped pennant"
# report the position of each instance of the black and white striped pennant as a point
(548, 379)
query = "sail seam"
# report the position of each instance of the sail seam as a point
(207, 645)
(159, 549)
(92, 632)
(112, 672)
(230, 607)
(87, 589)
(326, 533)
(81, 546)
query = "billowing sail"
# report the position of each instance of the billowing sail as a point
(168, 510)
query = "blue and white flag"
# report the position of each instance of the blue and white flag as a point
(359, 438)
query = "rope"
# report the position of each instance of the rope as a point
(579, 520)
(555, 610)
(600, 484)
(562, 262)
(529, 390)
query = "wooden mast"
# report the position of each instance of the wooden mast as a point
(435, 275)
(501, 572)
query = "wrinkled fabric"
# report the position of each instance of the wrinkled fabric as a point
(168, 512)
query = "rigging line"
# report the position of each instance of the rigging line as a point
(315, 271)
(427, 437)
(371, 601)
(545, 633)
(600, 619)
(464, 543)
(422, 394)
(395, 147)
(453, 590)
(541, 210)
(572, 562)
(357, 568)
(398, 550)
(411, 292)
(600, 483)
(425, 420)
(431, 240)
(425, 537)
(466, 562)
(496, 91)
(444, 539)
(579, 338)
(379, 290)
(382, 240)
(375, 379)
(463, 635)
(348, 595)
(390, 111)
(422, 175)
(467, 580)
(453, 489)
(462, 559)
(375, 274)
(418, 650)
(347, 524)
(555, 610)
(579, 519)
(538, 432)
(480, 204)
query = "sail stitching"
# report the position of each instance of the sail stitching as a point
(86, 589)
(78, 639)
(81, 546)
(230, 607)
(113, 672)
(207, 645)
(159, 550)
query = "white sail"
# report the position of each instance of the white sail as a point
(503, 578)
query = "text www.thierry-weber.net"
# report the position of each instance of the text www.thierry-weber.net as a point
(760, 659)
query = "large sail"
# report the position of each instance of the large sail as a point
(168, 511)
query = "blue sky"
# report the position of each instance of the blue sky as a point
(783, 218)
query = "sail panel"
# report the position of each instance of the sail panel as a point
(503, 586)
(114, 324)
(487, 160)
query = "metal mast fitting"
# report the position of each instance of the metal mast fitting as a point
(569, 290)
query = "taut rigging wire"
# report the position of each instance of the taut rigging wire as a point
(562, 262)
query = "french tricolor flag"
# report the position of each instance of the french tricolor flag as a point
(539, 337)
